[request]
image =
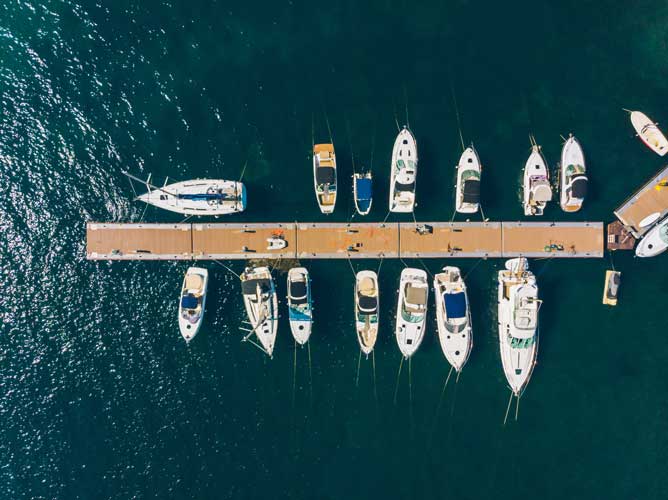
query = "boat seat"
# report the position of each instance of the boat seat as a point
(194, 282)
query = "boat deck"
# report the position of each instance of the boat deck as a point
(339, 240)
(652, 198)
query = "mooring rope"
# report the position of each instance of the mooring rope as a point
(226, 267)
(474, 266)
(454, 101)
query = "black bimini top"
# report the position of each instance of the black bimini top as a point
(405, 187)
(579, 186)
(325, 175)
(367, 304)
(471, 191)
(249, 287)
(298, 292)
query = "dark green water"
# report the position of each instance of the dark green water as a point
(100, 398)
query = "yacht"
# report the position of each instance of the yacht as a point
(300, 307)
(655, 241)
(468, 182)
(404, 172)
(411, 310)
(362, 192)
(366, 309)
(193, 300)
(649, 133)
(324, 176)
(537, 190)
(572, 176)
(259, 293)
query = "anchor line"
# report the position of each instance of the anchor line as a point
(459, 125)
(227, 268)
(510, 400)
(396, 386)
(474, 266)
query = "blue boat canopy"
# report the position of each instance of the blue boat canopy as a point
(455, 305)
(363, 189)
(189, 302)
(205, 196)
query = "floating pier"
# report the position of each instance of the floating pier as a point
(639, 212)
(114, 241)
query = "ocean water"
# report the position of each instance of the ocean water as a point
(99, 395)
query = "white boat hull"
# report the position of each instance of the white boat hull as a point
(262, 314)
(535, 170)
(366, 209)
(325, 193)
(366, 325)
(409, 328)
(655, 242)
(571, 156)
(456, 341)
(187, 326)
(301, 319)
(403, 174)
(170, 197)
(468, 162)
(649, 133)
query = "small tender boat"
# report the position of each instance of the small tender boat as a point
(468, 182)
(649, 133)
(537, 190)
(572, 176)
(259, 293)
(300, 307)
(276, 243)
(404, 172)
(362, 192)
(193, 300)
(411, 310)
(612, 280)
(366, 309)
(518, 322)
(453, 316)
(655, 241)
(324, 176)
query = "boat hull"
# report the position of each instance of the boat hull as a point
(367, 330)
(468, 162)
(655, 242)
(409, 333)
(362, 205)
(534, 168)
(262, 314)
(169, 197)
(188, 328)
(301, 319)
(571, 154)
(456, 345)
(325, 193)
(649, 133)
(403, 174)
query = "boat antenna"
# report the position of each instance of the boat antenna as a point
(510, 400)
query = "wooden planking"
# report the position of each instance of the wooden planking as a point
(458, 239)
(337, 241)
(649, 199)
(532, 239)
(227, 241)
(138, 242)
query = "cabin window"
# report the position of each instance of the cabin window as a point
(405, 141)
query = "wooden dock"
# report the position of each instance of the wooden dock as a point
(650, 199)
(340, 240)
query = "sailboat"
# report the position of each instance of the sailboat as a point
(404, 172)
(196, 197)
(259, 294)
(655, 241)
(300, 307)
(362, 192)
(649, 133)
(192, 302)
(366, 309)
(453, 316)
(324, 176)
(411, 310)
(537, 190)
(468, 182)
(572, 176)
(518, 322)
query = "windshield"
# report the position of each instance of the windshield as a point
(521, 343)
(452, 328)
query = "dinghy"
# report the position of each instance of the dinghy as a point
(611, 288)
(537, 190)
(324, 176)
(518, 305)
(404, 172)
(468, 182)
(362, 192)
(411, 310)
(453, 316)
(572, 176)
(300, 310)
(193, 300)
(259, 294)
(655, 241)
(366, 309)
(649, 133)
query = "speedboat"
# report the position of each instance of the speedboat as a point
(453, 316)
(468, 182)
(300, 307)
(259, 293)
(366, 309)
(611, 288)
(362, 192)
(411, 310)
(193, 300)
(324, 176)
(572, 176)
(655, 241)
(649, 133)
(518, 322)
(537, 190)
(404, 172)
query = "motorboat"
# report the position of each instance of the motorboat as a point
(453, 316)
(411, 310)
(366, 309)
(324, 176)
(655, 241)
(611, 288)
(468, 182)
(259, 294)
(192, 302)
(572, 176)
(276, 243)
(404, 172)
(649, 133)
(362, 192)
(518, 305)
(537, 190)
(300, 307)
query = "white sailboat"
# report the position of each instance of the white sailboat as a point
(411, 310)
(536, 183)
(572, 176)
(366, 309)
(518, 322)
(649, 133)
(404, 172)
(324, 176)
(453, 316)
(655, 241)
(300, 310)
(259, 294)
(467, 199)
(192, 302)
